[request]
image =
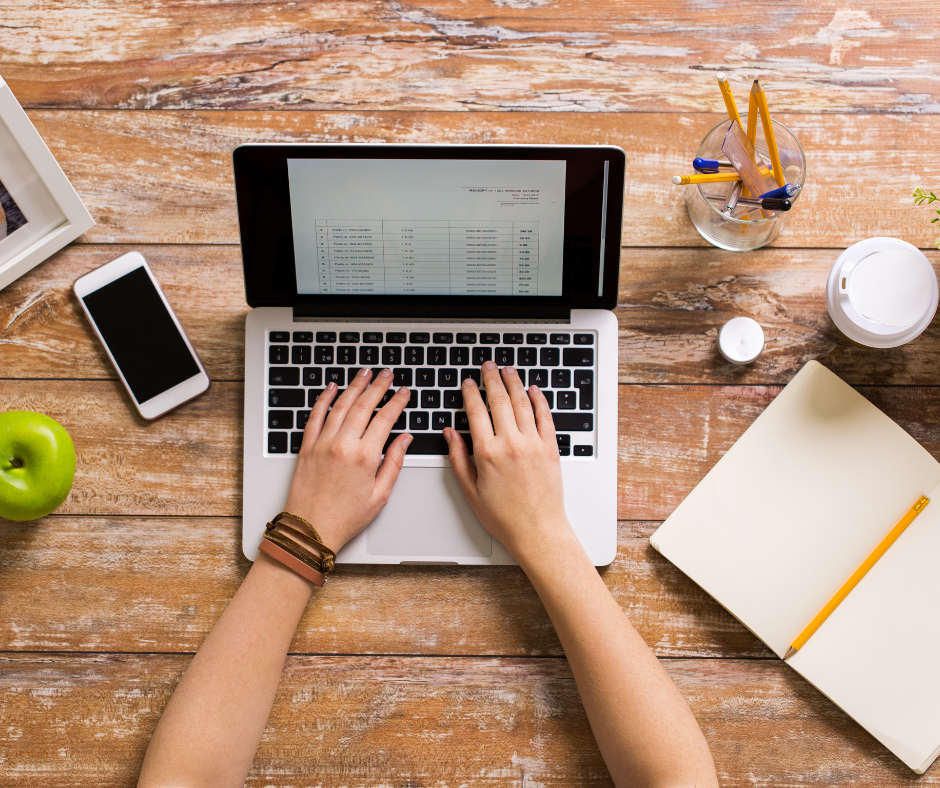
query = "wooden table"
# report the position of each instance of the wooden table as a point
(426, 676)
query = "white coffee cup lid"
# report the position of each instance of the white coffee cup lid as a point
(882, 292)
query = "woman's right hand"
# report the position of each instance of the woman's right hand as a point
(515, 489)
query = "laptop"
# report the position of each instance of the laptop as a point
(430, 260)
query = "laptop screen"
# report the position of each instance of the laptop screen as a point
(430, 230)
(433, 227)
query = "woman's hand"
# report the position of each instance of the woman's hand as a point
(515, 489)
(339, 485)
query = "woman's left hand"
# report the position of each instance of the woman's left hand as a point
(341, 482)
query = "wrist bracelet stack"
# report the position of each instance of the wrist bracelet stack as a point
(298, 551)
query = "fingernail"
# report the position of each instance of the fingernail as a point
(509, 370)
(363, 372)
(533, 388)
(469, 382)
(408, 440)
(385, 373)
(489, 365)
(331, 386)
(447, 435)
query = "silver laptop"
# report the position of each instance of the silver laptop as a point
(430, 260)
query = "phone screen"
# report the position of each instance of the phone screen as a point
(141, 335)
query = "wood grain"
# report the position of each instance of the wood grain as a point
(672, 305)
(77, 722)
(166, 177)
(189, 463)
(127, 584)
(453, 55)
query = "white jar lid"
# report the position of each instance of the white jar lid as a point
(741, 340)
(882, 292)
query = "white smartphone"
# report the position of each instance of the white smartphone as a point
(142, 336)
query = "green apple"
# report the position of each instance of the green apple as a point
(37, 465)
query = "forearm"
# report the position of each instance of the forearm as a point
(214, 721)
(643, 727)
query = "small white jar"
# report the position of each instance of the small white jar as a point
(882, 292)
(741, 340)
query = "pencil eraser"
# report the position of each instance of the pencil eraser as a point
(676, 179)
(722, 77)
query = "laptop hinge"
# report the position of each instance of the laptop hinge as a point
(414, 313)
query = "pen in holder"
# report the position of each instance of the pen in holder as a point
(746, 225)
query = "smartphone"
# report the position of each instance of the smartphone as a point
(141, 335)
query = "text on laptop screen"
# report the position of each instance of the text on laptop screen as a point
(428, 227)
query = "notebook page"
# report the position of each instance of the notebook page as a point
(786, 516)
(876, 656)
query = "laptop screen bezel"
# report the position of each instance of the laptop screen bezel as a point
(264, 217)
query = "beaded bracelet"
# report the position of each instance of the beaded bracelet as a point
(295, 554)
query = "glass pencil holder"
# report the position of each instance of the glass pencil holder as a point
(759, 227)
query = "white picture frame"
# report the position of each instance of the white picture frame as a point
(54, 213)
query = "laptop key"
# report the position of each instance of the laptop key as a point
(412, 399)
(419, 420)
(313, 376)
(286, 398)
(278, 354)
(461, 421)
(431, 399)
(396, 337)
(549, 398)
(303, 416)
(583, 378)
(424, 377)
(346, 354)
(335, 375)
(305, 337)
(561, 339)
(443, 338)
(474, 374)
(584, 339)
(512, 339)
(419, 338)
(489, 339)
(466, 339)
(280, 419)
(453, 400)
(300, 355)
(521, 374)
(400, 423)
(437, 355)
(538, 377)
(326, 336)
(391, 356)
(373, 336)
(563, 440)
(414, 356)
(564, 451)
(566, 400)
(440, 420)
(578, 356)
(323, 354)
(549, 356)
(460, 356)
(283, 376)
(401, 377)
(447, 377)
(368, 355)
(505, 356)
(573, 422)
(561, 378)
(586, 399)
(279, 336)
(583, 451)
(527, 357)
(277, 443)
(348, 336)
(481, 355)
(428, 443)
(296, 439)
(312, 396)
(536, 339)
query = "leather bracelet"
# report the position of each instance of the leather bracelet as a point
(325, 563)
(281, 555)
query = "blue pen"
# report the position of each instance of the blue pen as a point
(710, 165)
(783, 192)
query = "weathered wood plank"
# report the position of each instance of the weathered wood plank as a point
(159, 584)
(165, 177)
(672, 305)
(78, 722)
(457, 56)
(188, 463)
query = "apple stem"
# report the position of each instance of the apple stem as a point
(15, 462)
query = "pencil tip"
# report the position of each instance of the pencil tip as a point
(790, 651)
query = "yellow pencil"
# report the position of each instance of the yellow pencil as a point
(859, 573)
(768, 125)
(729, 99)
(710, 177)
(751, 125)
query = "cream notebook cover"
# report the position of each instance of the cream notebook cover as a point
(786, 517)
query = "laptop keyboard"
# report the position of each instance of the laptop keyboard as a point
(433, 365)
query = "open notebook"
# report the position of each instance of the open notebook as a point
(786, 517)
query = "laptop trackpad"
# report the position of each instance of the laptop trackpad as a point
(428, 515)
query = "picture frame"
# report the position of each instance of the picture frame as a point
(40, 211)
